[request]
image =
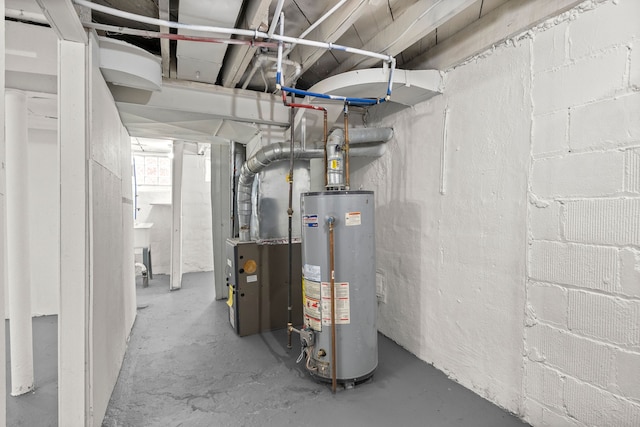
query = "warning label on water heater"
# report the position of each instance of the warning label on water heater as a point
(311, 303)
(352, 218)
(343, 310)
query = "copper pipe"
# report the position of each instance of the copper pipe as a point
(326, 126)
(346, 147)
(326, 136)
(290, 213)
(332, 281)
(293, 105)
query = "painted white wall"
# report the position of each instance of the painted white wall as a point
(113, 291)
(197, 247)
(532, 247)
(454, 263)
(44, 220)
(582, 335)
(155, 207)
(44, 217)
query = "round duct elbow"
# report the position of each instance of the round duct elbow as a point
(124, 64)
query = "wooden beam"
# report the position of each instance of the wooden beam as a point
(238, 56)
(329, 31)
(506, 21)
(64, 20)
(415, 23)
(165, 47)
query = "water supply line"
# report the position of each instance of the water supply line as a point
(171, 36)
(315, 24)
(262, 58)
(332, 282)
(346, 147)
(276, 14)
(253, 34)
(290, 213)
(325, 125)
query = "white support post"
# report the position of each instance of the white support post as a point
(220, 214)
(175, 281)
(3, 376)
(74, 385)
(18, 265)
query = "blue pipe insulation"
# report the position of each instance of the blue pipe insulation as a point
(348, 100)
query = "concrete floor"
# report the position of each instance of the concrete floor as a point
(40, 407)
(186, 367)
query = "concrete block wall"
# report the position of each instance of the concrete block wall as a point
(451, 237)
(582, 333)
(513, 265)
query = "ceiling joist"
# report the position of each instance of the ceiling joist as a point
(415, 23)
(239, 56)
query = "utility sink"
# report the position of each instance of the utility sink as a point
(141, 233)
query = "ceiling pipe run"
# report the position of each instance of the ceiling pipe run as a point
(371, 139)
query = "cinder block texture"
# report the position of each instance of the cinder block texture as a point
(632, 170)
(614, 24)
(549, 134)
(545, 221)
(543, 384)
(630, 272)
(576, 356)
(604, 124)
(590, 267)
(548, 302)
(596, 407)
(604, 221)
(537, 414)
(586, 80)
(628, 374)
(634, 75)
(579, 175)
(604, 318)
(549, 48)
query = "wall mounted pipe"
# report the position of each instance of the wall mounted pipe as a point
(366, 142)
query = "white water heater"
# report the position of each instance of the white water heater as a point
(339, 226)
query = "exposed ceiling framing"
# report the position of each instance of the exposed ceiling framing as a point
(420, 34)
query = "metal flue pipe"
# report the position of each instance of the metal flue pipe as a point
(365, 142)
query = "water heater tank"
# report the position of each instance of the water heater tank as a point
(355, 292)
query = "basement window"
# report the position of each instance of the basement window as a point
(152, 170)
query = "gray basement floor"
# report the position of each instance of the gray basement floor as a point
(186, 367)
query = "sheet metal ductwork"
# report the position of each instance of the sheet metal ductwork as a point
(365, 142)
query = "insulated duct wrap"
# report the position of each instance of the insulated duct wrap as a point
(366, 142)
